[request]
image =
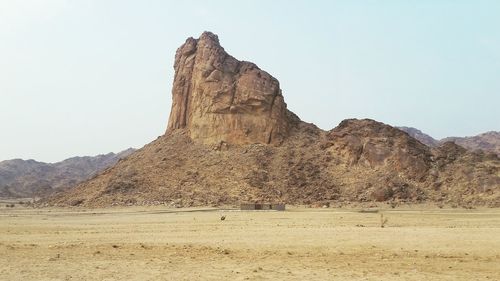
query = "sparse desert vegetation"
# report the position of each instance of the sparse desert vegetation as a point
(153, 243)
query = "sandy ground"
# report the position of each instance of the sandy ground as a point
(299, 244)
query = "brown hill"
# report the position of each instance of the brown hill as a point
(231, 139)
(29, 178)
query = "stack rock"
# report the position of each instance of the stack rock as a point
(220, 99)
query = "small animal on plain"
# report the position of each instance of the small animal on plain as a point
(222, 218)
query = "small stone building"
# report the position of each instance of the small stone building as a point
(262, 206)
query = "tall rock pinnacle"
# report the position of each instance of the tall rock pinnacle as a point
(218, 98)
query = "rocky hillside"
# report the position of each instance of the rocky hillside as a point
(230, 139)
(488, 142)
(28, 178)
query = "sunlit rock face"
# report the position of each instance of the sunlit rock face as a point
(220, 99)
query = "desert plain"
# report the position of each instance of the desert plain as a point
(159, 243)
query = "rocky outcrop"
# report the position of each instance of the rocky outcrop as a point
(220, 99)
(373, 144)
(265, 153)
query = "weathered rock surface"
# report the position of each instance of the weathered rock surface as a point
(220, 99)
(373, 144)
(263, 152)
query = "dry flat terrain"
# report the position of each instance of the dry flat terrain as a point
(299, 244)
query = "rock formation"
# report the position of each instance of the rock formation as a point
(373, 144)
(221, 99)
(230, 139)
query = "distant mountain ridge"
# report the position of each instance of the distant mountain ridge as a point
(28, 178)
(420, 136)
(488, 142)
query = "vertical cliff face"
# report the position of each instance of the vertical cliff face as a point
(220, 99)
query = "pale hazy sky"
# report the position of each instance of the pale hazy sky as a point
(84, 77)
